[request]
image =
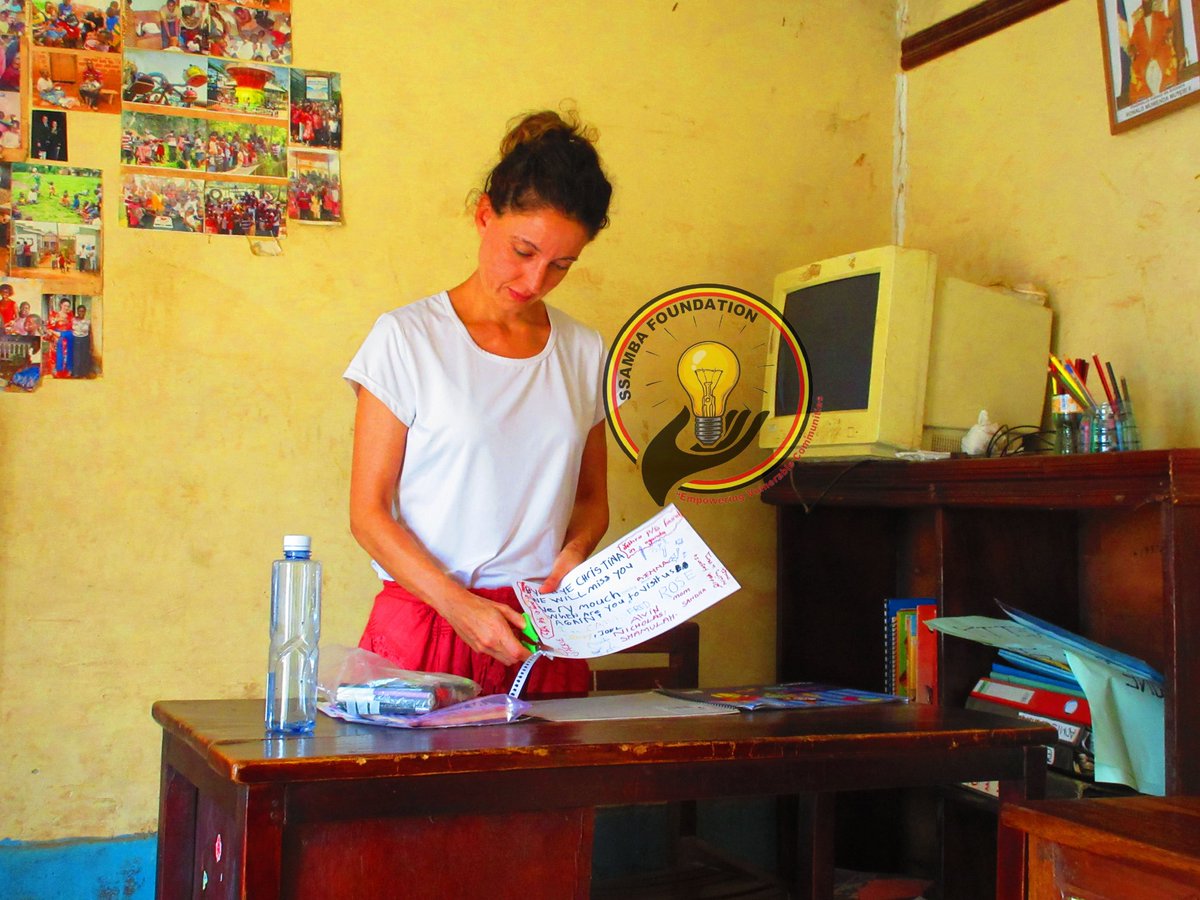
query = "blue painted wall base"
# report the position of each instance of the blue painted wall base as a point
(120, 868)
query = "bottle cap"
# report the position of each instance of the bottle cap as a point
(301, 543)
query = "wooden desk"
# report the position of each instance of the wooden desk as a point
(507, 810)
(1127, 847)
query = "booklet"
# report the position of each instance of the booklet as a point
(791, 695)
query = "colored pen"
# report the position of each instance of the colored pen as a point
(1108, 393)
(1072, 383)
(1112, 379)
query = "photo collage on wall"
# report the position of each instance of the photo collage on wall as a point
(220, 134)
(51, 292)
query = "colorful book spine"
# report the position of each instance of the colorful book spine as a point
(1039, 701)
(898, 669)
(1049, 667)
(1020, 675)
(925, 677)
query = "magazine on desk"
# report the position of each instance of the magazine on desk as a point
(790, 695)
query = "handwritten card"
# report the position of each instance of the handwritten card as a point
(656, 576)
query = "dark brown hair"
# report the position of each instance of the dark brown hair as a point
(549, 160)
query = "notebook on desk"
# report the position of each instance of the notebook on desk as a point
(790, 695)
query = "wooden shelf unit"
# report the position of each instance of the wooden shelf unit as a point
(1106, 545)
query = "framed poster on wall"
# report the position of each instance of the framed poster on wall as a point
(1151, 58)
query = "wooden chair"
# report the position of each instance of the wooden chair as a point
(682, 648)
(692, 869)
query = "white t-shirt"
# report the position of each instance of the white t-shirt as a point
(494, 444)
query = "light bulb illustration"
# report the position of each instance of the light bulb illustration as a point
(708, 371)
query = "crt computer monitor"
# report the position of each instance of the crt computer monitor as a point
(900, 358)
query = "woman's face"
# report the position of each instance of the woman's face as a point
(524, 255)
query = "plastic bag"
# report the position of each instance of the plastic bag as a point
(356, 685)
(494, 709)
(364, 683)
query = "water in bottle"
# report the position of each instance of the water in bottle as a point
(295, 633)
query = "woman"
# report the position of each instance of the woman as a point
(479, 446)
(81, 330)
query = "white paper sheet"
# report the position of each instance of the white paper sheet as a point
(1128, 724)
(644, 705)
(656, 576)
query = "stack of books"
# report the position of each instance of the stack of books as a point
(1042, 690)
(910, 648)
(1109, 747)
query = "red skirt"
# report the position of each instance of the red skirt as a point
(406, 631)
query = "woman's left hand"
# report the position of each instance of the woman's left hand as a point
(568, 558)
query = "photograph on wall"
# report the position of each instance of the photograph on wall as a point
(69, 25)
(1151, 58)
(10, 76)
(72, 337)
(244, 32)
(316, 114)
(48, 136)
(314, 186)
(248, 88)
(12, 17)
(20, 362)
(88, 82)
(247, 148)
(66, 257)
(11, 137)
(164, 78)
(163, 141)
(160, 203)
(166, 25)
(254, 209)
(42, 193)
(22, 325)
(21, 298)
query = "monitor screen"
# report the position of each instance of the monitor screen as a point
(835, 321)
(864, 322)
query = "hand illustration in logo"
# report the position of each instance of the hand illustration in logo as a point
(664, 464)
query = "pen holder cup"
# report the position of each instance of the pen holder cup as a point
(1068, 425)
(1127, 429)
(1102, 433)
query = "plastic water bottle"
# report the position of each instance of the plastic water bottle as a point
(295, 633)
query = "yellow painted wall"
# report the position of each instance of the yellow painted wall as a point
(1014, 175)
(140, 512)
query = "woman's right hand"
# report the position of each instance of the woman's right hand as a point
(486, 626)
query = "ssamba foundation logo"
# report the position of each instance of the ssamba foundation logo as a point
(684, 393)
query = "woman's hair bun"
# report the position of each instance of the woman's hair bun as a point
(547, 159)
(533, 127)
